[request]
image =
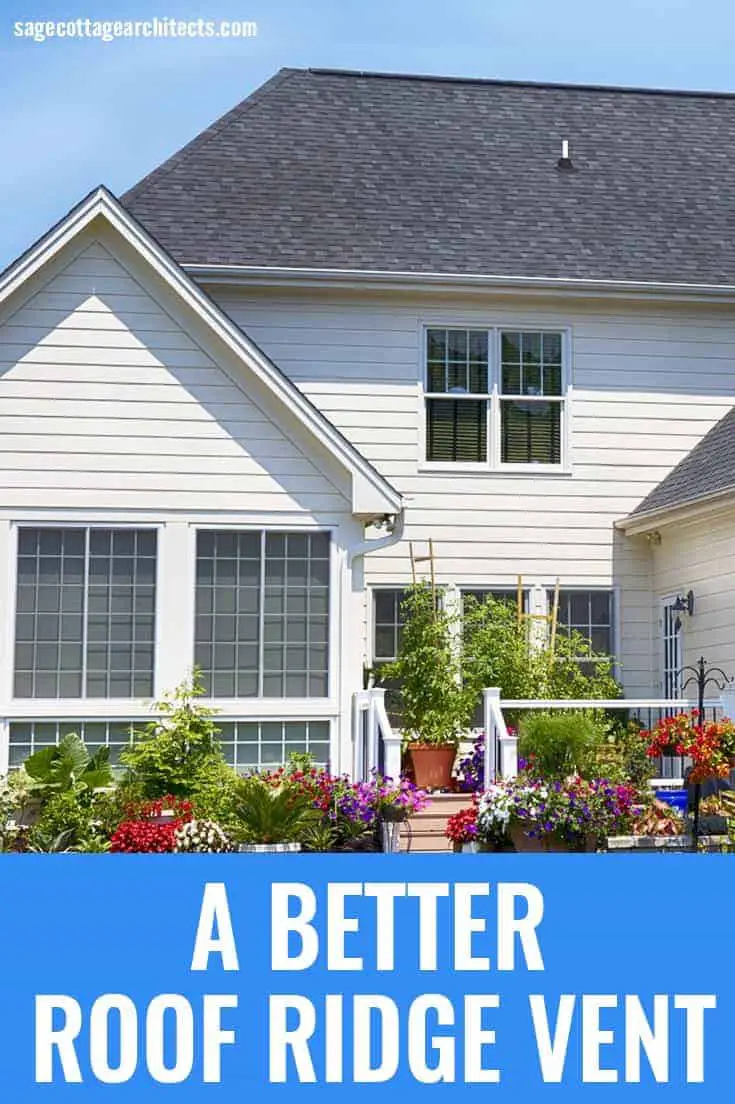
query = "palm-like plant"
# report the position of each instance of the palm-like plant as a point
(268, 815)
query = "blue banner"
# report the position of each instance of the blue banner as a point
(248, 977)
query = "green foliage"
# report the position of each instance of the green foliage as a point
(434, 704)
(622, 758)
(73, 815)
(561, 743)
(498, 650)
(70, 764)
(179, 751)
(269, 815)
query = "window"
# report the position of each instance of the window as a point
(25, 737)
(590, 613)
(85, 613)
(262, 613)
(466, 423)
(530, 422)
(457, 380)
(501, 594)
(252, 745)
(388, 624)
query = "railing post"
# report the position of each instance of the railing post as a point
(491, 707)
(508, 756)
(382, 730)
(727, 698)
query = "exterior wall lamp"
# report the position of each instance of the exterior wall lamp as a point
(684, 603)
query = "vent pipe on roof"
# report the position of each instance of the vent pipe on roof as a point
(565, 162)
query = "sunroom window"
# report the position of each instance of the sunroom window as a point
(85, 613)
(262, 613)
(495, 398)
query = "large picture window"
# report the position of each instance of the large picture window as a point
(85, 613)
(495, 402)
(262, 613)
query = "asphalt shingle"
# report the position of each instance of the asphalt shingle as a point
(376, 172)
(708, 469)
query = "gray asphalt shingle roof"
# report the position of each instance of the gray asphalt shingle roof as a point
(708, 469)
(366, 171)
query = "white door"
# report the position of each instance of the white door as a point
(673, 656)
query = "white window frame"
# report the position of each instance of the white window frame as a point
(670, 676)
(493, 399)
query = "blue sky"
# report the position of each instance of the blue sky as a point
(75, 114)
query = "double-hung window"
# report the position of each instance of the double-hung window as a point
(495, 398)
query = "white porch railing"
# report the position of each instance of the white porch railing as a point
(375, 746)
(501, 750)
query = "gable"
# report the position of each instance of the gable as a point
(106, 401)
(99, 219)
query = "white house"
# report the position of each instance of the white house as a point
(358, 311)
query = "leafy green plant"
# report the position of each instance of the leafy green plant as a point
(498, 650)
(75, 814)
(434, 704)
(61, 768)
(59, 843)
(269, 815)
(560, 743)
(177, 751)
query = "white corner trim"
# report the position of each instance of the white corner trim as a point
(372, 494)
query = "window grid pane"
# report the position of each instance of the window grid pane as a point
(457, 361)
(85, 613)
(25, 737)
(257, 745)
(262, 613)
(388, 623)
(590, 613)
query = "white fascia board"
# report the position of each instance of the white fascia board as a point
(636, 524)
(371, 494)
(347, 278)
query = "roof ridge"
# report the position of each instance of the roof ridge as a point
(205, 136)
(512, 83)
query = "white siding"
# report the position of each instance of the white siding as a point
(648, 382)
(106, 402)
(700, 556)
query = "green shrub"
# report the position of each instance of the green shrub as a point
(69, 820)
(434, 705)
(68, 766)
(561, 743)
(177, 752)
(265, 814)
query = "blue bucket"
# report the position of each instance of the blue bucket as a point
(676, 798)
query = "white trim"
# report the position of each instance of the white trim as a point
(372, 495)
(452, 281)
(705, 505)
(493, 400)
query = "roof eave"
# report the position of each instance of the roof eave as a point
(647, 521)
(284, 275)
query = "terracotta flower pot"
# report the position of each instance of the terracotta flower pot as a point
(549, 841)
(432, 765)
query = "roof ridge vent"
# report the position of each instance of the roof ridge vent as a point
(565, 163)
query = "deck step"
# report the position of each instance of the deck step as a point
(425, 831)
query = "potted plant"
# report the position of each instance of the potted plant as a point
(272, 818)
(393, 804)
(708, 744)
(434, 705)
(461, 829)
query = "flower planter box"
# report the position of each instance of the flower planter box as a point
(547, 842)
(269, 848)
